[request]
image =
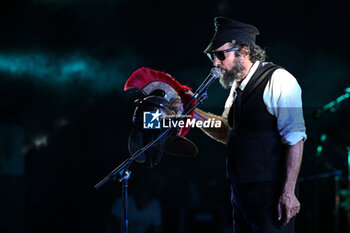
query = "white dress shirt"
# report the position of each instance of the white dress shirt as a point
(282, 97)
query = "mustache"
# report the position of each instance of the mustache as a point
(222, 68)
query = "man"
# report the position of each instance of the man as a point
(262, 127)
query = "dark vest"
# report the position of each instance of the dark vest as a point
(255, 151)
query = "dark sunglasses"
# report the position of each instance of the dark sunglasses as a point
(220, 54)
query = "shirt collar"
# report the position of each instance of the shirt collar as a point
(249, 75)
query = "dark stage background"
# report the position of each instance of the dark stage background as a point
(65, 118)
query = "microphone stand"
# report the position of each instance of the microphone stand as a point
(333, 105)
(123, 169)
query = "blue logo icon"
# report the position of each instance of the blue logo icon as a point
(151, 120)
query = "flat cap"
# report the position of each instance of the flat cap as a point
(227, 29)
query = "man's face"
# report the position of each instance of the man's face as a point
(231, 67)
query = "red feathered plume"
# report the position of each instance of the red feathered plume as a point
(144, 76)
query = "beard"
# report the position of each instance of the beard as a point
(236, 73)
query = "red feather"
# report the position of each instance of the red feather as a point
(143, 76)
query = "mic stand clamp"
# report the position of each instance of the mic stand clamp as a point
(203, 97)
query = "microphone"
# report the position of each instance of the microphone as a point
(199, 95)
(215, 73)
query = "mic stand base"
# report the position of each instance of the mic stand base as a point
(124, 220)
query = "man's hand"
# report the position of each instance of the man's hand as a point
(288, 207)
(288, 204)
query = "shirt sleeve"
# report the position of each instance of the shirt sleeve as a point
(282, 97)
